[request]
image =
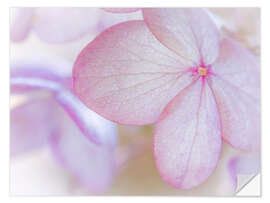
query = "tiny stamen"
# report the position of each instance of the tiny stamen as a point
(202, 71)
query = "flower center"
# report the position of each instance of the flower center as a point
(202, 71)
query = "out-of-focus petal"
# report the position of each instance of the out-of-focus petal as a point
(27, 76)
(189, 32)
(30, 126)
(93, 165)
(242, 24)
(243, 165)
(93, 126)
(56, 25)
(47, 66)
(121, 10)
(21, 22)
(107, 20)
(72, 124)
(37, 173)
(236, 84)
(127, 76)
(187, 140)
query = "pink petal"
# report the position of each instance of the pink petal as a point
(56, 25)
(127, 76)
(237, 88)
(21, 22)
(93, 165)
(30, 126)
(121, 10)
(187, 140)
(189, 32)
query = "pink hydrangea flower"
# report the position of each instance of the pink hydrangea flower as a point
(82, 141)
(58, 25)
(175, 69)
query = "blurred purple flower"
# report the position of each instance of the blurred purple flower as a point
(80, 139)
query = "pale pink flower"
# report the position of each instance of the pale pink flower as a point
(82, 141)
(174, 69)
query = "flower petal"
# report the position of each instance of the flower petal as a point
(93, 126)
(248, 164)
(243, 164)
(127, 76)
(21, 22)
(38, 174)
(121, 10)
(107, 20)
(93, 165)
(23, 136)
(187, 140)
(242, 24)
(56, 25)
(32, 75)
(40, 65)
(189, 32)
(237, 88)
